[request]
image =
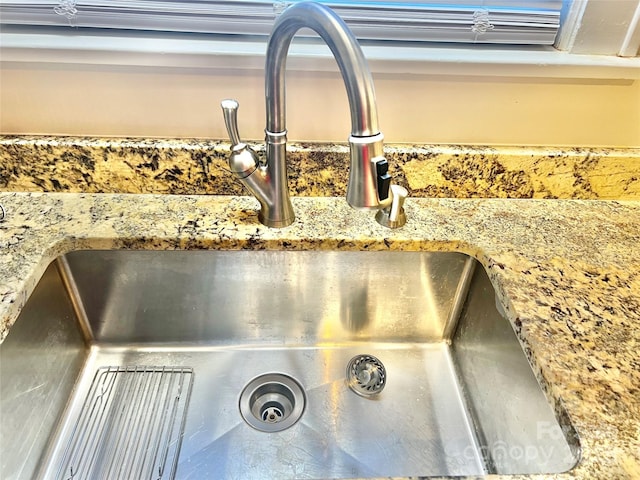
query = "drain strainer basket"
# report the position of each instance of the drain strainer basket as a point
(272, 402)
(366, 375)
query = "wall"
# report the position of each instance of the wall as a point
(157, 102)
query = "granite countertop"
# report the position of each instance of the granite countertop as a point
(568, 269)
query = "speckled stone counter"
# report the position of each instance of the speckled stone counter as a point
(569, 272)
(100, 165)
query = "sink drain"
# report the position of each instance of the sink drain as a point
(272, 402)
(366, 375)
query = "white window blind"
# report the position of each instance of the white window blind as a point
(524, 22)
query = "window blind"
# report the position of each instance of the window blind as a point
(529, 22)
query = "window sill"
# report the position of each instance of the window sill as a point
(228, 53)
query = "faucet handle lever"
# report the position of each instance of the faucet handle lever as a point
(230, 112)
(243, 161)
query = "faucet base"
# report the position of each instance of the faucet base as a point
(275, 223)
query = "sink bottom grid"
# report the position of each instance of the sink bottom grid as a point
(130, 425)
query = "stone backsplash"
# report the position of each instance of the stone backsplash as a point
(120, 165)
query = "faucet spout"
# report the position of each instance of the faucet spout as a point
(347, 52)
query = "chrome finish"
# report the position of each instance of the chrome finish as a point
(243, 161)
(40, 361)
(70, 286)
(459, 298)
(266, 182)
(447, 407)
(347, 52)
(130, 425)
(230, 113)
(270, 183)
(366, 375)
(272, 402)
(322, 296)
(499, 387)
(362, 189)
(394, 216)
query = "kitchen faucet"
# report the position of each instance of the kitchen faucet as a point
(369, 180)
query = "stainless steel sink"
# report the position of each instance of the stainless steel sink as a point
(131, 364)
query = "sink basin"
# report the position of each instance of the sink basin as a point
(136, 364)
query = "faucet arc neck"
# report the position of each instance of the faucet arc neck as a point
(348, 55)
